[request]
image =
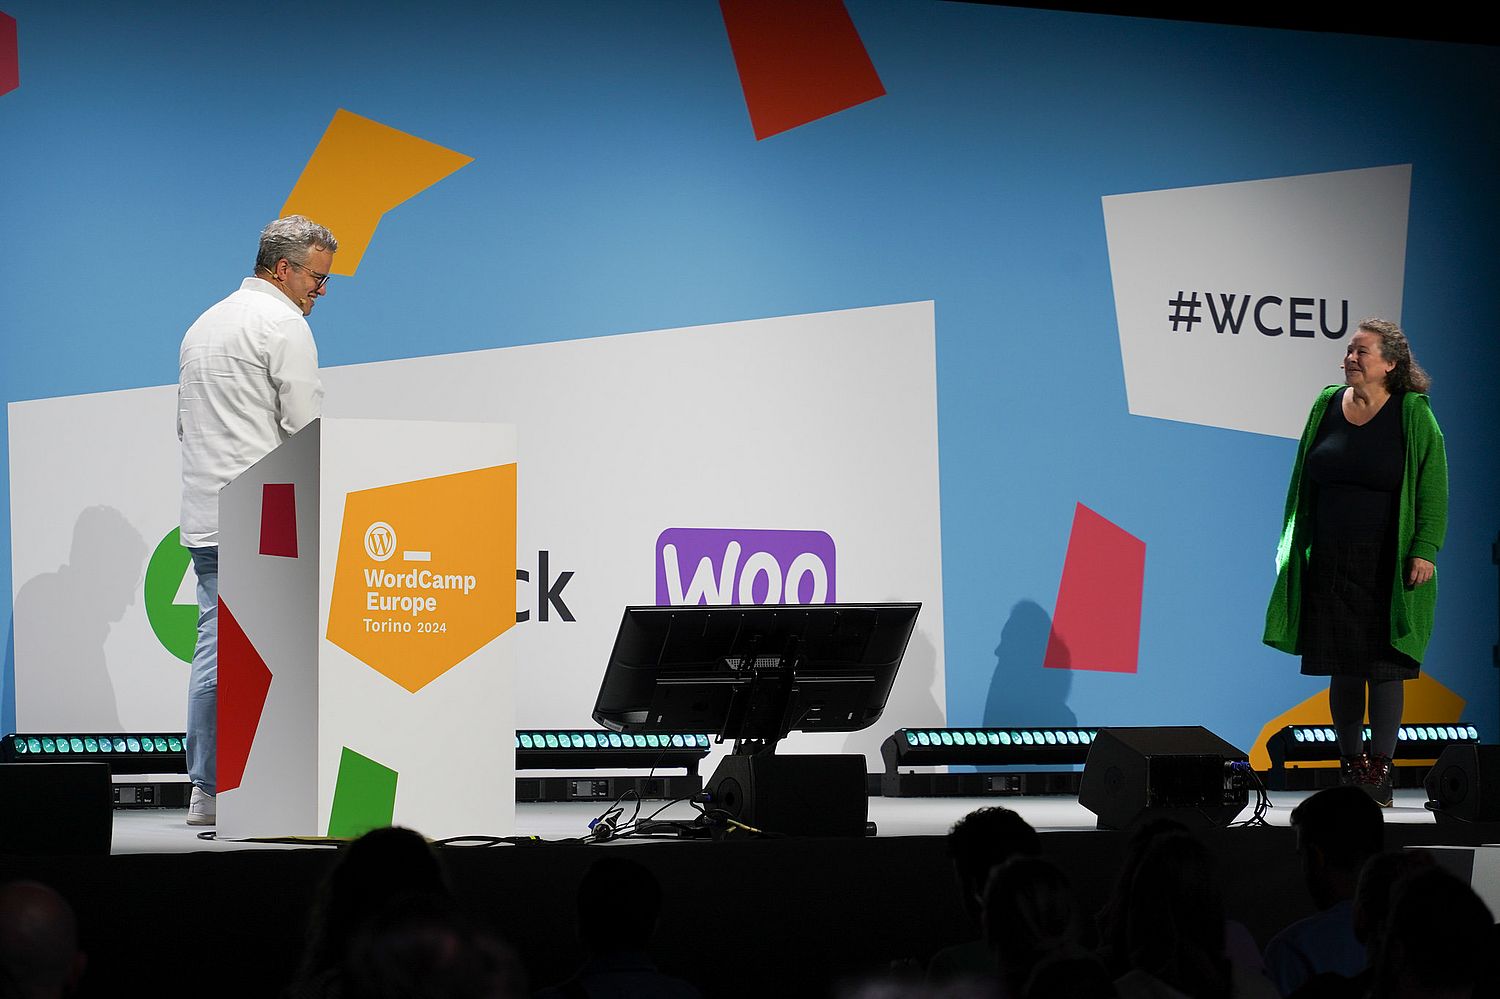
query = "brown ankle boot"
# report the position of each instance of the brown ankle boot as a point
(1352, 769)
(1378, 780)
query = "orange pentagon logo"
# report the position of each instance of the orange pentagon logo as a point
(426, 573)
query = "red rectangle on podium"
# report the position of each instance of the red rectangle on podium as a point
(278, 520)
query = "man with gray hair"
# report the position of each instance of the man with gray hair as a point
(247, 380)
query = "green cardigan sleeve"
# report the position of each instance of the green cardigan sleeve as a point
(1427, 475)
(1422, 522)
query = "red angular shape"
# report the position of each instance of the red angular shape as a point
(799, 60)
(10, 54)
(243, 683)
(278, 519)
(1097, 622)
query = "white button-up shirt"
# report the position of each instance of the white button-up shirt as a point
(247, 380)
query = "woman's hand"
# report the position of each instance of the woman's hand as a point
(1418, 571)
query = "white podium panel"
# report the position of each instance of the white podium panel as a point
(366, 578)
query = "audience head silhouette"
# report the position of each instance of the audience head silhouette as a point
(1338, 830)
(1438, 937)
(981, 841)
(378, 868)
(619, 903)
(1029, 915)
(1174, 918)
(39, 953)
(422, 945)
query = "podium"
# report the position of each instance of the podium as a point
(366, 583)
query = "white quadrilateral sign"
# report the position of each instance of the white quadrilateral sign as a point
(1235, 301)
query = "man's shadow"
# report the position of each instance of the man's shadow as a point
(1023, 692)
(62, 620)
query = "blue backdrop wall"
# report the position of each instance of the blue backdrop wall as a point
(617, 185)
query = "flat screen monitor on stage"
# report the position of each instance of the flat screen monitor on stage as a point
(754, 673)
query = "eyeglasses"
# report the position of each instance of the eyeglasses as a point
(322, 279)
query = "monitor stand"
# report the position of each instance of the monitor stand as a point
(755, 791)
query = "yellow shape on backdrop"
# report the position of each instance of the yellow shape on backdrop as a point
(361, 170)
(1426, 701)
(426, 573)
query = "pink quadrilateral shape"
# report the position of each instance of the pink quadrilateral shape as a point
(1097, 622)
(278, 519)
(798, 60)
(244, 681)
(10, 54)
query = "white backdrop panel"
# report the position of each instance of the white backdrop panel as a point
(1223, 293)
(824, 422)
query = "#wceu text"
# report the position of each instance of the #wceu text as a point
(1270, 315)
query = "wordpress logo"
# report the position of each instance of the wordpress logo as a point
(713, 566)
(380, 541)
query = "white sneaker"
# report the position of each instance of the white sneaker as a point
(201, 808)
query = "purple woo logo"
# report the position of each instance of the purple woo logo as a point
(710, 566)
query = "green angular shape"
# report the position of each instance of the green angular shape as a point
(175, 625)
(364, 796)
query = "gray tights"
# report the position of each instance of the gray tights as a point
(1346, 700)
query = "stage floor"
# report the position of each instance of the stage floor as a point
(156, 831)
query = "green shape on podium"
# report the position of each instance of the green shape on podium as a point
(364, 797)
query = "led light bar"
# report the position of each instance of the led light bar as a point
(1310, 743)
(136, 753)
(930, 747)
(571, 749)
(1305, 757)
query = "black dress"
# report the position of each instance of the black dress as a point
(1346, 613)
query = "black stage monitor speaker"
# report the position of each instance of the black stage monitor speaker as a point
(792, 795)
(55, 808)
(1181, 773)
(1464, 784)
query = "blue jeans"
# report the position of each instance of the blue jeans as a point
(203, 679)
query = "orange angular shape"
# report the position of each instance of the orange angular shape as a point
(426, 573)
(361, 170)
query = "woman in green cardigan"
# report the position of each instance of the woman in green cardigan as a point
(1366, 511)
